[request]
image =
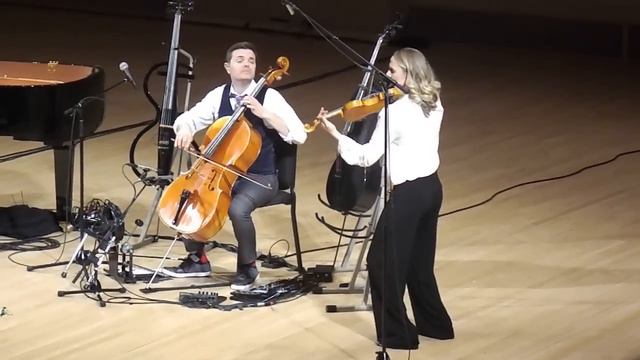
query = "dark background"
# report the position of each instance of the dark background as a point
(591, 26)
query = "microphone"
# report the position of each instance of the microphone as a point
(70, 110)
(289, 7)
(124, 67)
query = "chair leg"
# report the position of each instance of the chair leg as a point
(296, 237)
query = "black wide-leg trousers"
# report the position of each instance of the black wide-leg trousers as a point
(402, 255)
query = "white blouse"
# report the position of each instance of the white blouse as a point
(413, 142)
(206, 111)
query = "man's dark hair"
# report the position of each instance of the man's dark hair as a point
(240, 45)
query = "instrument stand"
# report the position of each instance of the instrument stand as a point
(166, 152)
(373, 214)
(350, 287)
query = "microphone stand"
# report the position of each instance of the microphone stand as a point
(80, 255)
(75, 112)
(386, 81)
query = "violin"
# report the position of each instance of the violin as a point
(356, 110)
(196, 204)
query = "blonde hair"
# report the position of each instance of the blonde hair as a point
(424, 88)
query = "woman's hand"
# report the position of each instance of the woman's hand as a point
(183, 138)
(326, 124)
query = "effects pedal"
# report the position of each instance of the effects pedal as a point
(320, 273)
(200, 300)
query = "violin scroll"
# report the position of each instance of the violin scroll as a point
(312, 126)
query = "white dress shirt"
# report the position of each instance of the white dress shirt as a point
(413, 142)
(205, 113)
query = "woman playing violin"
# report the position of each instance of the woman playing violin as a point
(410, 216)
(275, 120)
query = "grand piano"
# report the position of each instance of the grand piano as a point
(34, 99)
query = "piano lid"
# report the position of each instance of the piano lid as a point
(34, 96)
(13, 73)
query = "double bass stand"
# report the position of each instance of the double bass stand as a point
(351, 287)
(354, 234)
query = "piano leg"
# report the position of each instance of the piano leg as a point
(63, 164)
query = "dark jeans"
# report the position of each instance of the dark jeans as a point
(409, 223)
(245, 198)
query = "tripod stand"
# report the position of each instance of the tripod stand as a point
(90, 267)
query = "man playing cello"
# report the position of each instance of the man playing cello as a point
(275, 120)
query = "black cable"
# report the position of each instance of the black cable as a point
(322, 31)
(498, 193)
(136, 192)
(30, 244)
(321, 249)
(281, 240)
(540, 181)
(20, 251)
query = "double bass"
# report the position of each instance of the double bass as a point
(196, 204)
(353, 188)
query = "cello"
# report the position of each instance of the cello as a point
(196, 203)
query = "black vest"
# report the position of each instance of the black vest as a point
(265, 164)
